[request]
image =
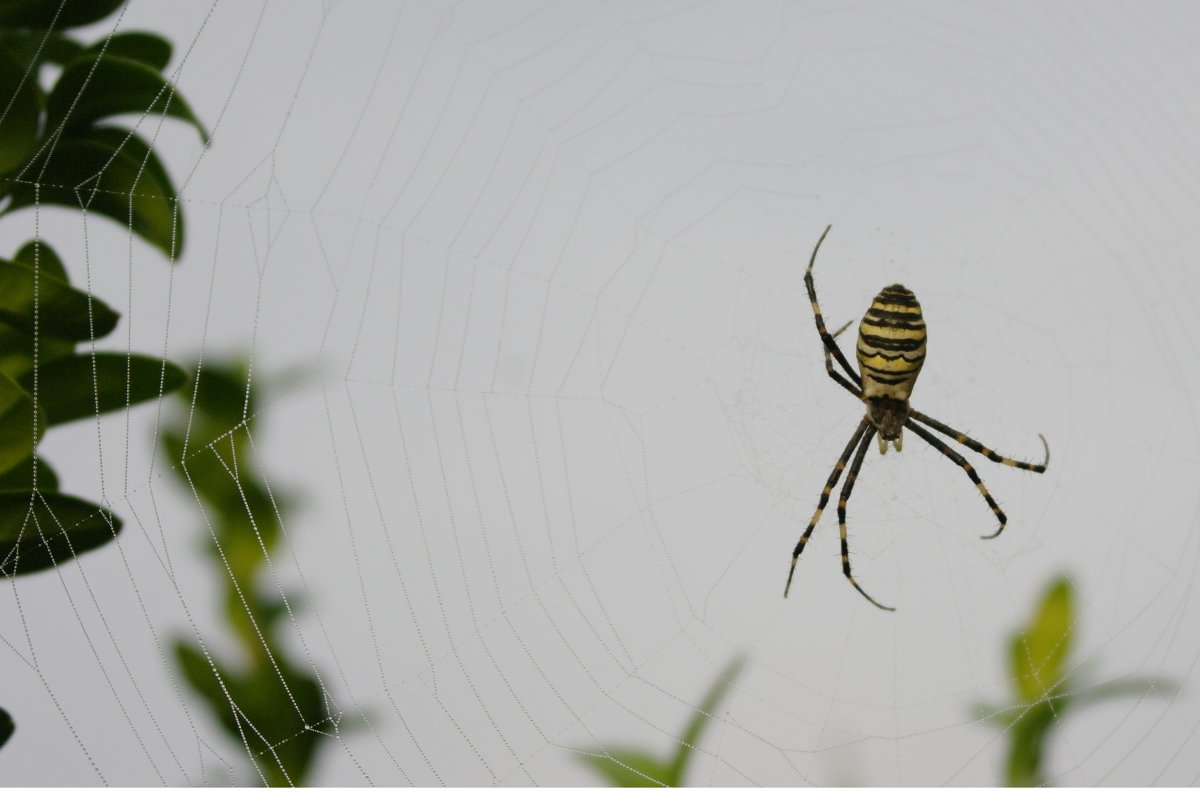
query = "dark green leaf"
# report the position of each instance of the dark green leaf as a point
(56, 14)
(1037, 654)
(6, 727)
(20, 111)
(37, 254)
(82, 386)
(41, 530)
(631, 769)
(17, 423)
(20, 477)
(1028, 736)
(148, 48)
(62, 312)
(98, 87)
(36, 47)
(16, 350)
(112, 172)
(280, 712)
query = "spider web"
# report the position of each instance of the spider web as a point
(565, 412)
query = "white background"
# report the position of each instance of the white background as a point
(567, 412)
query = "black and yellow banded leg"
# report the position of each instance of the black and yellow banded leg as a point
(845, 384)
(945, 449)
(826, 338)
(971, 443)
(834, 476)
(847, 488)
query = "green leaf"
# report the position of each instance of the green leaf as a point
(17, 415)
(704, 712)
(20, 109)
(1037, 654)
(57, 14)
(112, 172)
(280, 711)
(16, 350)
(1028, 736)
(1126, 687)
(634, 768)
(631, 769)
(97, 87)
(37, 254)
(82, 386)
(41, 530)
(36, 47)
(20, 477)
(6, 727)
(63, 312)
(137, 45)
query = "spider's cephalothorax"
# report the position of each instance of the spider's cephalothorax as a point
(891, 350)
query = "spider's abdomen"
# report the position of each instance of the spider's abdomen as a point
(891, 344)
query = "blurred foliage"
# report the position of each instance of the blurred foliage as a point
(59, 145)
(1046, 688)
(272, 705)
(634, 767)
(6, 727)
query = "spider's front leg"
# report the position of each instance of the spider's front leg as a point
(831, 346)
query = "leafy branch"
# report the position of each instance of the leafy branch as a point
(1045, 687)
(271, 704)
(60, 144)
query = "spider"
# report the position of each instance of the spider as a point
(891, 350)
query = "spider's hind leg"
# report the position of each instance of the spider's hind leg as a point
(945, 449)
(834, 476)
(842, 500)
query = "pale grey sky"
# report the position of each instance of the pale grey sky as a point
(548, 261)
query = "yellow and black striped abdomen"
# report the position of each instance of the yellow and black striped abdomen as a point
(891, 344)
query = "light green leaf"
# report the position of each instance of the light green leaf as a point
(17, 417)
(1038, 653)
(20, 108)
(148, 48)
(631, 769)
(62, 311)
(97, 87)
(41, 530)
(80, 386)
(704, 712)
(112, 172)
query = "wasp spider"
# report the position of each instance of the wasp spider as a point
(891, 350)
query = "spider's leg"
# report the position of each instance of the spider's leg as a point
(945, 449)
(834, 476)
(971, 443)
(831, 345)
(845, 497)
(837, 376)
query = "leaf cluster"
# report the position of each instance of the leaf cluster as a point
(1046, 688)
(63, 144)
(272, 705)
